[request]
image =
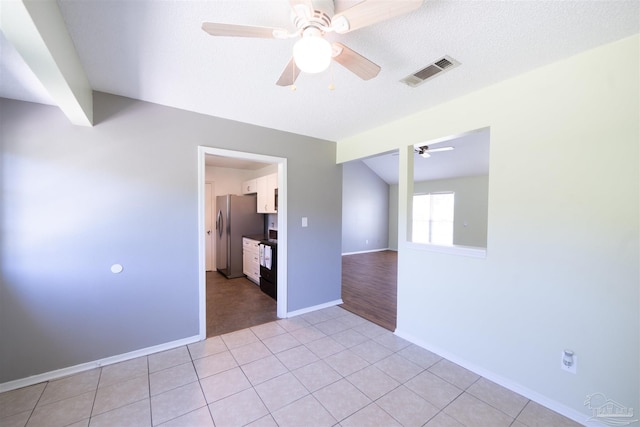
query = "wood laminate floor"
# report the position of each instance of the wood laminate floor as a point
(369, 286)
(234, 304)
(369, 289)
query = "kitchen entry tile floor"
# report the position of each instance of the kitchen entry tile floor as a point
(234, 304)
(288, 382)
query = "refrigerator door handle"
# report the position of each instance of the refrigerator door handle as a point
(219, 223)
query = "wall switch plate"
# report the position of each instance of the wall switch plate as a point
(304, 221)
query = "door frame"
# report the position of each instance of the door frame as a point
(282, 228)
(212, 254)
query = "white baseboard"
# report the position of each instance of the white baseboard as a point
(59, 373)
(568, 412)
(314, 308)
(369, 251)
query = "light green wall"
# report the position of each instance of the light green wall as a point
(562, 265)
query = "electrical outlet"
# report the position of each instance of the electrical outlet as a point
(366, 242)
(568, 361)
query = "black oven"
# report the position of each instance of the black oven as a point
(269, 268)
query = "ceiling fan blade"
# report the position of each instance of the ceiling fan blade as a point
(302, 8)
(371, 12)
(289, 75)
(232, 30)
(354, 62)
(437, 149)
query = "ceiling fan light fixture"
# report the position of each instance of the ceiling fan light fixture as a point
(312, 53)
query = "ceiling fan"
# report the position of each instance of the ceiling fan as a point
(425, 151)
(312, 53)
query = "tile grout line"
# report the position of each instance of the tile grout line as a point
(149, 385)
(239, 366)
(369, 364)
(206, 403)
(341, 375)
(492, 406)
(401, 384)
(277, 376)
(375, 339)
(36, 405)
(95, 396)
(520, 412)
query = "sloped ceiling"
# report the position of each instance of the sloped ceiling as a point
(470, 157)
(156, 51)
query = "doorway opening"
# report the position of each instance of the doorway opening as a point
(235, 156)
(369, 239)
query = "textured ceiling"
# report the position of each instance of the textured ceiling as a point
(156, 51)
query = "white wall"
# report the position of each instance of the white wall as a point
(562, 265)
(267, 170)
(228, 180)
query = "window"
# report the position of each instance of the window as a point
(433, 218)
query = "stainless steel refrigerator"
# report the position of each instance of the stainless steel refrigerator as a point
(236, 217)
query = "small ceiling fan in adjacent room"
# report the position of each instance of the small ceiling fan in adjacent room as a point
(312, 53)
(425, 151)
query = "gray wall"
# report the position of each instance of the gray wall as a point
(76, 200)
(365, 209)
(470, 206)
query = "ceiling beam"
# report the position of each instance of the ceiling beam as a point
(37, 31)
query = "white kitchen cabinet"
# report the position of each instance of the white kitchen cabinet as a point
(266, 186)
(251, 259)
(249, 187)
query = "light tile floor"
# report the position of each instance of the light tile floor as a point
(325, 368)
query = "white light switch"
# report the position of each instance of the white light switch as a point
(304, 221)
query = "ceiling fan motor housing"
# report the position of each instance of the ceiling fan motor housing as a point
(320, 17)
(312, 19)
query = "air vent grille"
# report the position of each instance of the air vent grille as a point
(430, 71)
(425, 73)
(444, 63)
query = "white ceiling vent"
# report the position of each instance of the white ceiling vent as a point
(430, 71)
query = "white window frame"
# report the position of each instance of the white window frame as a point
(430, 221)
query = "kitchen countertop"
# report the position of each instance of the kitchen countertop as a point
(262, 238)
(258, 237)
